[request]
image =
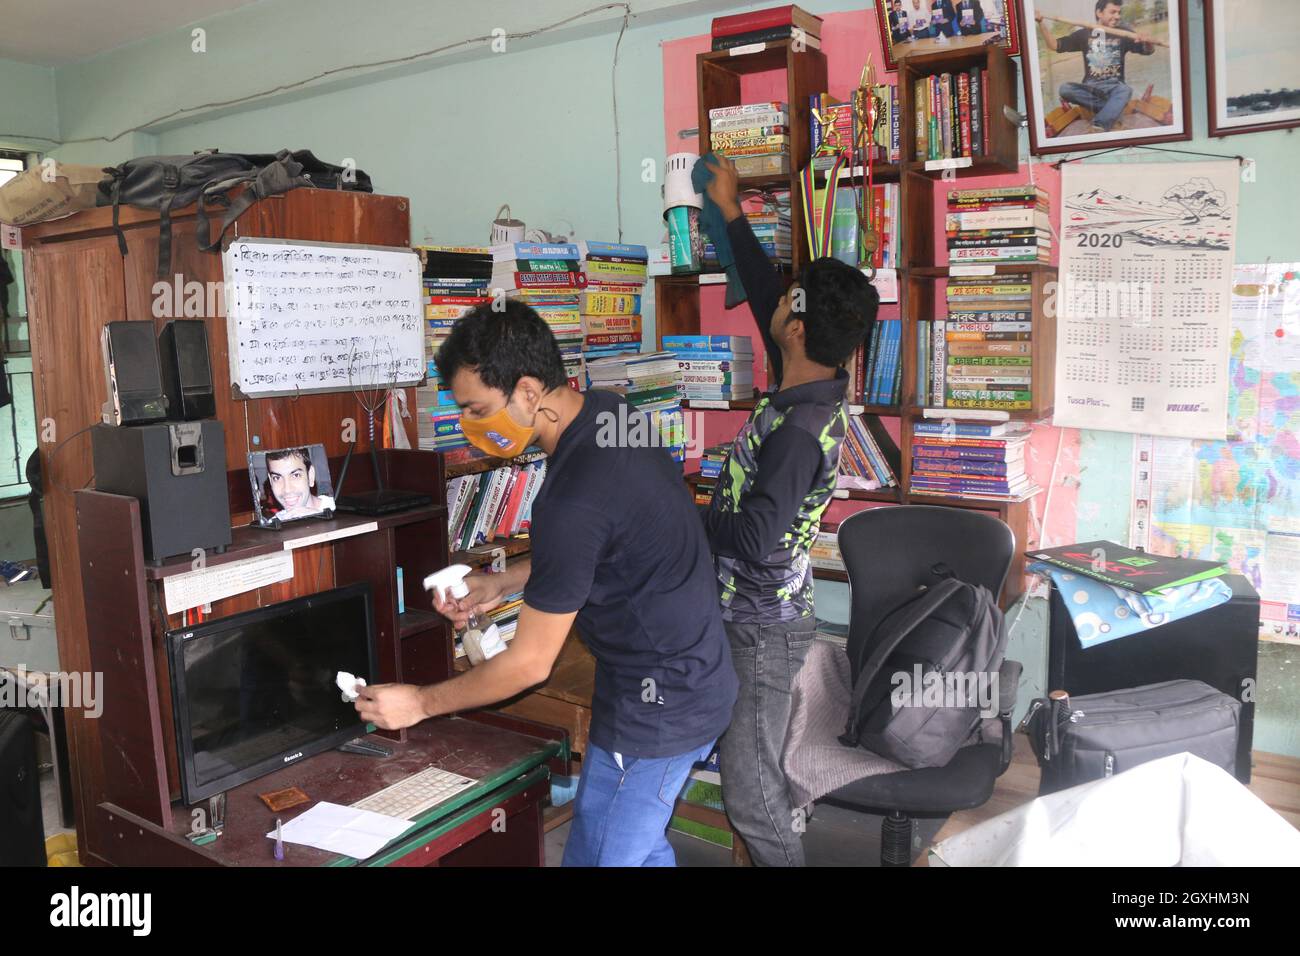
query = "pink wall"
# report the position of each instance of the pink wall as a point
(847, 40)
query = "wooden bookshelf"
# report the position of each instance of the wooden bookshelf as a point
(482, 554)
(920, 275)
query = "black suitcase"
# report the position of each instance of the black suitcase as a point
(22, 831)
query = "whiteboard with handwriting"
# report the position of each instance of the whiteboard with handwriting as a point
(322, 317)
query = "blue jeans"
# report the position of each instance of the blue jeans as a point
(623, 806)
(1105, 99)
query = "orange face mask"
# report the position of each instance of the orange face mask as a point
(498, 434)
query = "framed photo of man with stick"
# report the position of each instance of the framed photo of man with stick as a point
(1105, 73)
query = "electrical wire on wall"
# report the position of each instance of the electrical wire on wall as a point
(379, 64)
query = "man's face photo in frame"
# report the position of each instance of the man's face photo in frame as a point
(291, 483)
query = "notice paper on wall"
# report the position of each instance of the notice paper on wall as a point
(321, 317)
(1238, 500)
(197, 588)
(1144, 297)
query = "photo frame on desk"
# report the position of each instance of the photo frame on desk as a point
(290, 484)
(1251, 65)
(942, 26)
(1084, 61)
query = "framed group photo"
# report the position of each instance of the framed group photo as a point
(1105, 73)
(1252, 65)
(910, 27)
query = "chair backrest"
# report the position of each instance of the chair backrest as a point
(890, 552)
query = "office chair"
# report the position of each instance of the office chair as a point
(889, 553)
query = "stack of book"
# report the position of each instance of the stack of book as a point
(833, 122)
(982, 460)
(999, 224)
(767, 26)
(951, 112)
(456, 279)
(492, 504)
(650, 382)
(549, 278)
(716, 368)
(875, 369)
(825, 551)
(713, 460)
(610, 304)
(981, 354)
(755, 136)
(505, 616)
(703, 490)
(863, 465)
(771, 225)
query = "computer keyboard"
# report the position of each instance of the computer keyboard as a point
(409, 798)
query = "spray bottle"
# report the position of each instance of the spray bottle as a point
(480, 636)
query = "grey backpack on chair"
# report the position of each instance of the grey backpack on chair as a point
(952, 633)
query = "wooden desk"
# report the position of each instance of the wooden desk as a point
(465, 831)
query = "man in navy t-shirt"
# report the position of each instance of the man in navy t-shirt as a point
(617, 548)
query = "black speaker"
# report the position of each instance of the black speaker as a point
(22, 829)
(186, 370)
(131, 373)
(178, 472)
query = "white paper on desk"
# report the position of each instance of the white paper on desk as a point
(346, 830)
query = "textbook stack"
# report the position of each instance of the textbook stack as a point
(825, 551)
(492, 504)
(876, 370)
(981, 354)
(771, 226)
(980, 460)
(755, 136)
(718, 368)
(505, 616)
(455, 281)
(767, 26)
(713, 460)
(1002, 224)
(951, 115)
(863, 465)
(650, 382)
(549, 278)
(610, 304)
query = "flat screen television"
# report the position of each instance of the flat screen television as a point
(255, 692)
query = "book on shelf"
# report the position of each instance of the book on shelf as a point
(768, 35)
(746, 135)
(754, 20)
(485, 506)
(651, 383)
(998, 224)
(824, 552)
(950, 113)
(971, 460)
(980, 355)
(863, 464)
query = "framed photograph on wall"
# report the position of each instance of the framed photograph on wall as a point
(935, 26)
(1252, 65)
(1105, 73)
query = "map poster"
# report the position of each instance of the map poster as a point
(1238, 500)
(1144, 297)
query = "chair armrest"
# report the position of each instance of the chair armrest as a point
(1008, 685)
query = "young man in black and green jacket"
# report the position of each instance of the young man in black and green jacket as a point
(775, 484)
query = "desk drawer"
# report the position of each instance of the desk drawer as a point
(573, 718)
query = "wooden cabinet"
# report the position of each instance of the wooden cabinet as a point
(77, 281)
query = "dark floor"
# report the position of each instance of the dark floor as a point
(835, 837)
